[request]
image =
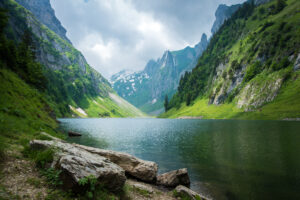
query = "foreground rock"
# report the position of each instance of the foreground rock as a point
(140, 169)
(174, 178)
(184, 191)
(76, 163)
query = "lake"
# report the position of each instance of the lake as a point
(226, 159)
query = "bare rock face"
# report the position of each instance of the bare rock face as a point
(182, 190)
(140, 169)
(297, 63)
(174, 178)
(44, 12)
(77, 163)
(223, 13)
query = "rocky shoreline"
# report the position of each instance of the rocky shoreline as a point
(111, 169)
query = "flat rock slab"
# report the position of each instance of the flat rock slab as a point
(76, 163)
(140, 169)
(184, 191)
(174, 178)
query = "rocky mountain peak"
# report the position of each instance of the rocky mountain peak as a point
(222, 13)
(44, 13)
(201, 46)
(166, 60)
(203, 38)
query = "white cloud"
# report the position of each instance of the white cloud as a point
(124, 34)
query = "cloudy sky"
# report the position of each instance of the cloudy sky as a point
(124, 34)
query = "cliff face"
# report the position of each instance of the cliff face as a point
(223, 13)
(43, 11)
(147, 89)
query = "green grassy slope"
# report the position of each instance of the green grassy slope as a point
(285, 105)
(247, 71)
(71, 81)
(23, 110)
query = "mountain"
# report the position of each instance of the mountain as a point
(147, 89)
(222, 13)
(43, 11)
(250, 69)
(49, 63)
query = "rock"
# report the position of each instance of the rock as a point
(50, 136)
(44, 12)
(75, 168)
(73, 134)
(140, 169)
(174, 178)
(222, 13)
(141, 186)
(184, 191)
(297, 63)
(77, 163)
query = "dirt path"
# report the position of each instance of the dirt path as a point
(20, 179)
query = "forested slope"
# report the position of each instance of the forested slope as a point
(250, 68)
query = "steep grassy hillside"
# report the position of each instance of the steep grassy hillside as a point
(250, 68)
(70, 84)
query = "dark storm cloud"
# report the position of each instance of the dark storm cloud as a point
(124, 34)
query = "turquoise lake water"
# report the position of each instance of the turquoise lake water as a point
(226, 159)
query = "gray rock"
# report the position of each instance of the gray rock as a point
(143, 187)
(75, 168)
(297, 63)
(44, 12)
(184, 191)
(223, 13)
(141, 169)
(174, 178)
(77, 163)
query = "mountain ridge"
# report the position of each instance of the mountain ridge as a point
(159, 77)
(45, 13)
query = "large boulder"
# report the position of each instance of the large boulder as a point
(174, 178)
(183, 191)
(76, 163)
(140, 169)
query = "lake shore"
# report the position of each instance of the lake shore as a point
(134, 186)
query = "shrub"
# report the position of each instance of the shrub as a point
(262, 10)
(252, 71)
(93, 190)
(282, 64)
(266, 25)
(44, 157)
(279, 6)
(41, 157)
(53, 176)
